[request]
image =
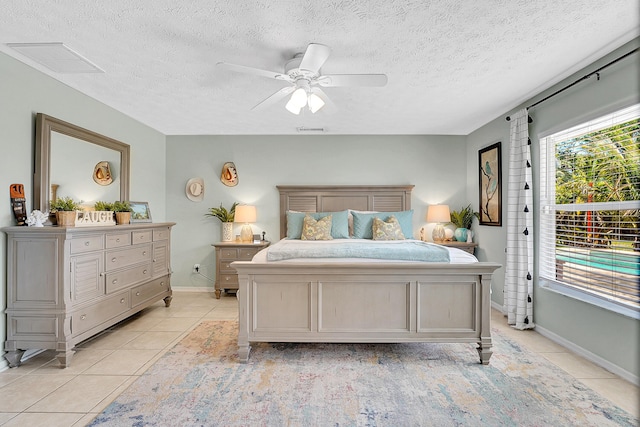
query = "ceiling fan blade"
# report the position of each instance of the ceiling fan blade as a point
(254, 71)
(274, 98)
(334, 80)
(314, 57)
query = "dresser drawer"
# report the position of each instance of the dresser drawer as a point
(118, 240)
(87, 244)
(142, 237)
(142, 293)
(160, 234)
(94, 315)
(126, 257)
(246, 254)
(128, 277)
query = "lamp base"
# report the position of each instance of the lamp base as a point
(438, 233)
(246, 234)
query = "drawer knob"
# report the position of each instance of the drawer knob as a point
(114, 281)
(144, 271)
(162, 283)
(83, 317)
(154, 260)
(86, 243)
(122, 300)
(144, 252)
(138, 294)
(118, 239)
(226, 278)
(113, 259)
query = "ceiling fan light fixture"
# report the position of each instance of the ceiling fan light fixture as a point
(315, 102)
(292, 107)
(299, 97)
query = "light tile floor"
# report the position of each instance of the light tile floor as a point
(39, 392)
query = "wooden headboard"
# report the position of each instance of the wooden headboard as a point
(333, 198)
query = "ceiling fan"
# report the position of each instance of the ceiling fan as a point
(306, 79)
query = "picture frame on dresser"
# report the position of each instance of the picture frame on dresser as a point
(490, 184)
(140, 212)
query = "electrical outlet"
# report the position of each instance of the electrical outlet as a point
(196, 268)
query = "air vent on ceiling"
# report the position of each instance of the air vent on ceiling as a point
(310, 130)
(56, 57)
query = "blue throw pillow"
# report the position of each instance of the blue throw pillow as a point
(339, 223)
(363, 223)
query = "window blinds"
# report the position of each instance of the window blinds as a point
(590, 207)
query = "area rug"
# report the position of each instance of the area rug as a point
(200, 383)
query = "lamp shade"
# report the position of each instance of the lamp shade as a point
(245, 213)
(435, 213)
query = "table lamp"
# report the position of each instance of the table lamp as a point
(440, 215)
(245, 214)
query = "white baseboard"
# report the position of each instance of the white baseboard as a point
(582, 352)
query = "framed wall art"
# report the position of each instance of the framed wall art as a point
(140, 212)
(490, 167)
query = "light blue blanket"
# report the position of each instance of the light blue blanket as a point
(409, 250)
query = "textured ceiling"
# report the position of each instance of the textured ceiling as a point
(452, 65)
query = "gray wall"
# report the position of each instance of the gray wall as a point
(25, 92)
(608, 336)
(434, 164)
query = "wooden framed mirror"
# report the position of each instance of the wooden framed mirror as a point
(66, 159)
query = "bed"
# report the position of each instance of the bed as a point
(364, 301)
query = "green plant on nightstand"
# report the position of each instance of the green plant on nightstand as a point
(226, 217)
(463, 220)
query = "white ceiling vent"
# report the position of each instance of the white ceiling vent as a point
(310, 130)
(56, 57)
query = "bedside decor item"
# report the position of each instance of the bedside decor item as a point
(195, 189)
(463, 220)
(229, 175)
(65, 209)
(102, 173)
(140, 212)
(37, 218)
(490, 167)
(246, 214)
(226, 217)
(440, 215)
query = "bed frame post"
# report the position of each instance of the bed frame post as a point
(243, 318)
(484, 344)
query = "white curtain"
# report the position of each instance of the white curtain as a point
(518, 293)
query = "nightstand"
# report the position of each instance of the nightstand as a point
(226, 253)
(469, 247)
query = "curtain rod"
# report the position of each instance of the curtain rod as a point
(596, 72)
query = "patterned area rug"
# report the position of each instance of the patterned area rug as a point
(200, 383)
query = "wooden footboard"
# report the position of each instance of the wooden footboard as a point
(377, 302)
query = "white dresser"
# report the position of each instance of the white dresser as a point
(65, 284)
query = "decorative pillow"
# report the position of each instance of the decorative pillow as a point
(387, 230)
(363, 223)
(313, 229)
(350, 219)
(339, 223)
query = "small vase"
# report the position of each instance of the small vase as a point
(123, 218)
(227, 231)
(460, 234)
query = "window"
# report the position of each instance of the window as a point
(590, 211)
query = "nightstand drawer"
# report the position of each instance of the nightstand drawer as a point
(225, 267)
(246, 254)
(227, 280)
(228, 254)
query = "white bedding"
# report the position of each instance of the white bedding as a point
(457, 256)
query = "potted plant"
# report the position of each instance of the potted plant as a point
(123, 211)
(103, 206)
(226, 217)
(65, 209)
(463, 220)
